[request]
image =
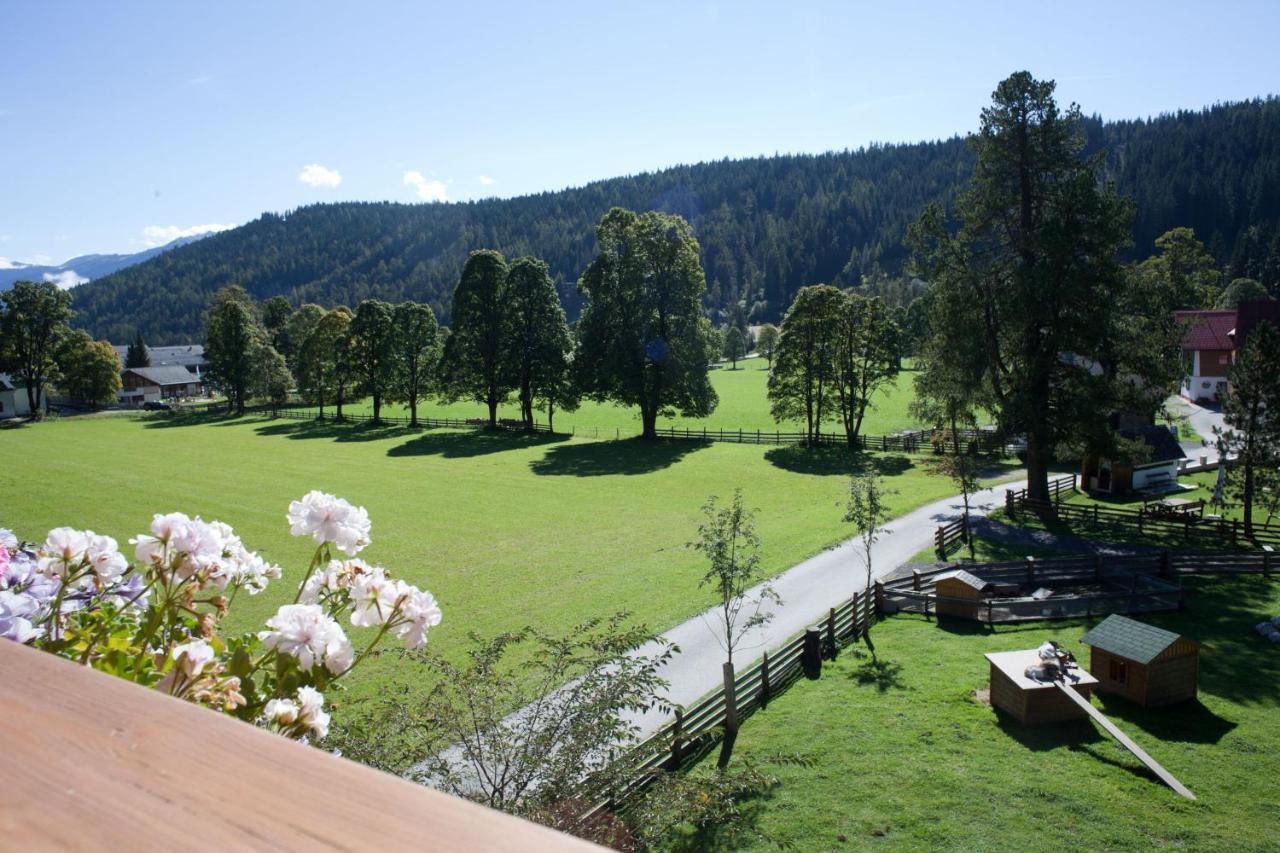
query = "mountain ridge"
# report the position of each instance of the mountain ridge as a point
(88, 267)
(766, 225)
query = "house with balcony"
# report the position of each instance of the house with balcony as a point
(140, 385)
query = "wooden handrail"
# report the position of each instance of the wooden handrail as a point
(95, 762)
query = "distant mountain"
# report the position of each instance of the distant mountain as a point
(767, 226)
(86, 267)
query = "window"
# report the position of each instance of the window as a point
(1119, 671)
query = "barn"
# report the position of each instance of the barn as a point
(1145, 664)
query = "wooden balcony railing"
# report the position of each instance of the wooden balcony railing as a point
(94, 762)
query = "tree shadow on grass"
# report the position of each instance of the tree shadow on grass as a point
(342, 431)
(471, 443)
(604, 458)
(836, 461)
(883, 675)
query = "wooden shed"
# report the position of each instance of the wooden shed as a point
(1143, 663)
(1033, 702)
(955, 590)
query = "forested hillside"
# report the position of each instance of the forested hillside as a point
(767, 226)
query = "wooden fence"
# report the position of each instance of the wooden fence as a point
(1146, 520)
(948, 535)
(695, 728)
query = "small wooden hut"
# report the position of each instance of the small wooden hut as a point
(1145, 664)
(955, 590)
(1033, 702)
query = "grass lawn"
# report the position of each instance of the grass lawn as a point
(905, 756)
(743, 405)
(504, 529)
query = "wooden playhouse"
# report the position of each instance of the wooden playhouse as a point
(960, 594)
(1032, 702)
(1145, 664)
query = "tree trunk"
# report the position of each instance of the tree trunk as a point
(649, 418)
(730, 715)
(377, 407)
(413, 410)
(1037, 467)
(493, 412)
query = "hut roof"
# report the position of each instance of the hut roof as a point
(964, 577)
(1163, 443)
(1129, 638)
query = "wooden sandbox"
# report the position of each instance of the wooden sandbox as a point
(1034, 702)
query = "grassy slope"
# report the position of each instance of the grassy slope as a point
(907, 758)
(743, 405)
(505, 530)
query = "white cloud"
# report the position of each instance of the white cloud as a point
(66, 279)
(487, 181)
(5, 238)
(427, 189)
(315, 175)
(158, 235)
(6, 264)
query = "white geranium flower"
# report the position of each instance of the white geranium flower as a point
(419, 611)
(326, 518)
(303, 631)
(373, 598)
(311, 711)
(193, 656)
(282, 712)
(105, 558)
(64, 552)
(8, 540)
(335, 577)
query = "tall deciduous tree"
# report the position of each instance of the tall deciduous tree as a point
(299, 327)
(1252, 410)
(231, 333)
(90, 370)
(537, 343)
(416, 350)
(868, 512)
(473, 366)
(1033, 269)
(33, 322)
(320, 360)
(137, 354)
(735, 345)
(805, 370)
(373, 354)
(866, 358)
(1241, 290)
(642, 341)
(276, 312)
(767, 342)
(269, 377)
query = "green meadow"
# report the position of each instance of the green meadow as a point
(505, 529)
(743, 405)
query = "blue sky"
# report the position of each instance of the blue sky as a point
(125, 124)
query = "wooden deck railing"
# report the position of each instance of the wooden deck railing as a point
(95, 762)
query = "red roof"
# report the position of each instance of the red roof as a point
(1207, 329)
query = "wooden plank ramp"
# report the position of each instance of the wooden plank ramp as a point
(1126, 742)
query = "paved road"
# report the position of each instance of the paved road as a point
(808, 591)
(1203, 421)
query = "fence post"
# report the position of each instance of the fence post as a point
(1008, 501)
(1267, 551)
(831, 632)
(677, 741)
(764, 680)
(1165, 567)
(730, 698)
(915, 580)
(811, 653)
(1031, 568)
(1097, 567)
(1235, 530)
(879, 599)
(989, 614)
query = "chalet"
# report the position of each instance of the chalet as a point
(1117, 476)
(1211, 342)
(189, 356)
(1143, 663)
(13, 398)
(140, 385)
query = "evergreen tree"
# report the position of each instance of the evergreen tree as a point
(1241, 290)
(1182, 268)
(805, 371)
(537, 343)
(642, 339)
(373, 351)
(1033, 269)
(1252, 410)
(137, 355)
(416, 350)
(231, 333)
(473, 366)
(33, 323)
